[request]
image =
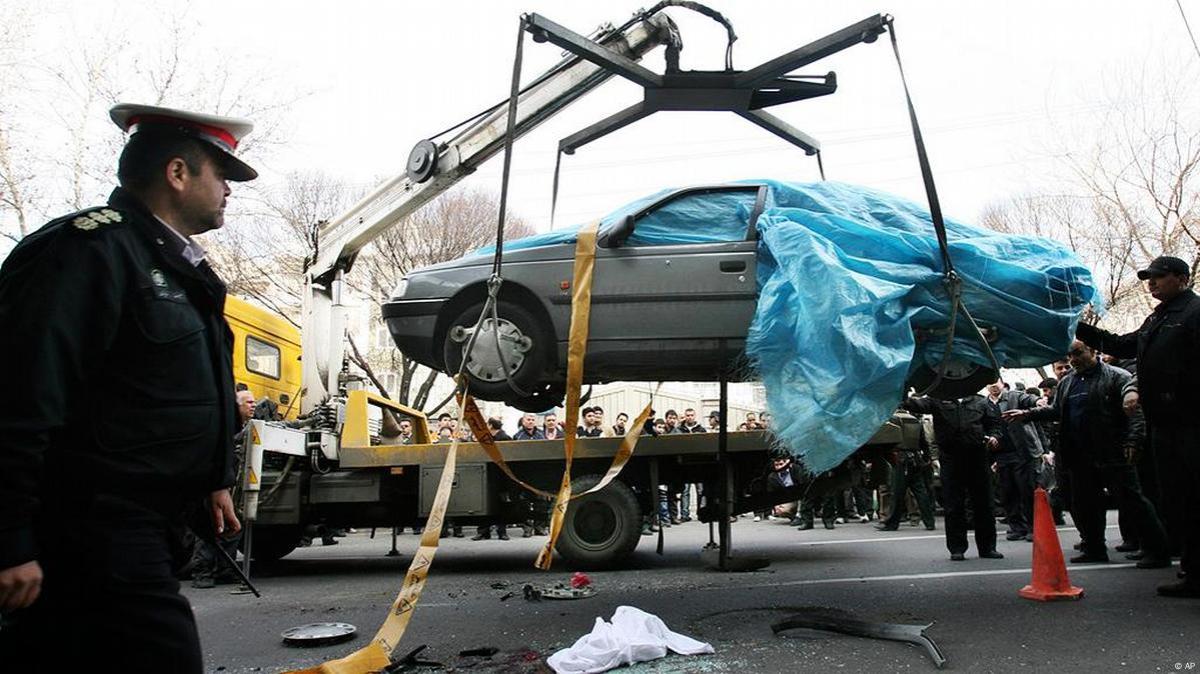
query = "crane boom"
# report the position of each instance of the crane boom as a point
(346, 235)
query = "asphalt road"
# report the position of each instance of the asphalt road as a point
(979, 622)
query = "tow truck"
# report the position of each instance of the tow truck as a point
(344, 468)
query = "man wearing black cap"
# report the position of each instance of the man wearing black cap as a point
(1167, 348)
(118, 407)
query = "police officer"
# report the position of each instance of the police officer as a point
(1167, 348)
(118, 406)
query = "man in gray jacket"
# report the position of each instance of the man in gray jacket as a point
(1017, 460)
(1094, 432)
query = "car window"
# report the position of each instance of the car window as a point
(707, 216)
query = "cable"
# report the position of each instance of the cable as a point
(1188, 26)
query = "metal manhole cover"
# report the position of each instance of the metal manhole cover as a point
(318, 634)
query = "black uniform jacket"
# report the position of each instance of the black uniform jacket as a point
(1167, 348)
(118, 376)
(958, 423)
(1107, 430)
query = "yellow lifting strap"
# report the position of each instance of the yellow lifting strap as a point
(483, 435)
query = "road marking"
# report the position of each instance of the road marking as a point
(888, 539)
(917, 576)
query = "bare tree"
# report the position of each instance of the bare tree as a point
(57, 147)
(17, 171)
(1131, 189)
(1143, 165)
(266, 253)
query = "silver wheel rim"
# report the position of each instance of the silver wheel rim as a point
(483, 363)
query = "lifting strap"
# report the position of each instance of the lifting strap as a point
(951, 280)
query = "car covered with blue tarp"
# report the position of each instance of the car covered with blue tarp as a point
(834, 295)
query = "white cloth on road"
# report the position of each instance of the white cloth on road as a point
(632, 636)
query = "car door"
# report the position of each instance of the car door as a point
(683, 281)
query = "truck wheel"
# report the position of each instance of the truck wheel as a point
(600, 529)
(270, 544)
(522, 340)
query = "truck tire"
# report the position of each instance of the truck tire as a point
(272, 543)
(601, 529)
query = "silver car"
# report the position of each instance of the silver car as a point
(675, 312)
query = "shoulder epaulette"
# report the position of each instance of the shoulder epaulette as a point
(95, 218)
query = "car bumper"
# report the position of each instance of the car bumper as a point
(412, 324)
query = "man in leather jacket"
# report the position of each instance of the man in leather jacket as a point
(1094, 433)
(1167, 348)
(965, 430)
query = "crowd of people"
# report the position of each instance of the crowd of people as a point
(591, 425)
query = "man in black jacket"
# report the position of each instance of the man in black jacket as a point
(118, 406)
(1094, 434)
(1167, 348)
(496, 426)
(965, 430)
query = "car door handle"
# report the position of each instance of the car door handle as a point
(733, 266)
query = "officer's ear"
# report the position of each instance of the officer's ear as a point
(177, 174)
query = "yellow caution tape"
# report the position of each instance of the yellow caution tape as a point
(581, 313)
(483, 435)
(581, 301)
(377, 654)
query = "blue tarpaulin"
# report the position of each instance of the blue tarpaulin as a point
(845, 273)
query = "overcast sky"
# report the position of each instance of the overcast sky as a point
(1000, 89)
(997, 87)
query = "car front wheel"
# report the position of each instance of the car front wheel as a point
(513, 347)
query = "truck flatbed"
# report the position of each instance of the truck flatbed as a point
(517, 451)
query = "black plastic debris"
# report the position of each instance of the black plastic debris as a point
(818, 620)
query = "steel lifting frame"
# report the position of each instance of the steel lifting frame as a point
(744, 93)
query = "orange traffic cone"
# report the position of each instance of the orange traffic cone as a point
(1050, 581)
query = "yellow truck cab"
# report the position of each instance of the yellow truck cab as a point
(266, 354)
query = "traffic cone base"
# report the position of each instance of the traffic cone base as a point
(1030, 592)
(1050, 581)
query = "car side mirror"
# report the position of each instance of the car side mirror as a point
(616, 235)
